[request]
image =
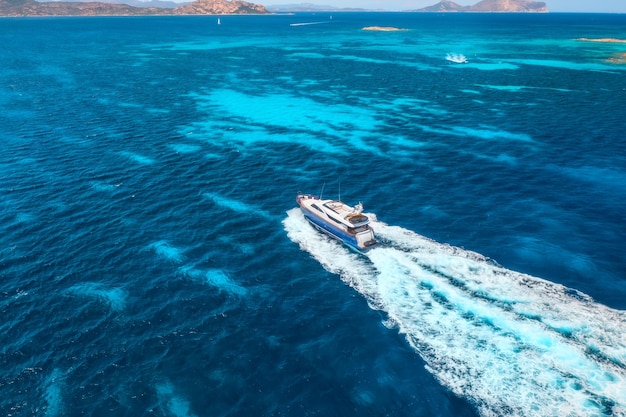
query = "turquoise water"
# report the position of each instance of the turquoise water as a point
(152, 261)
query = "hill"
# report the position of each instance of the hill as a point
(310, 7)
(489, 6)
(220, 7)
(135, 3)
(445, 6)
(103, 8)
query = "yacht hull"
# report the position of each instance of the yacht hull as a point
(361, 241)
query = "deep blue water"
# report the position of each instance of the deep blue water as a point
(152, 262)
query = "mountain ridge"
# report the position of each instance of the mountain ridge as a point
(219, 7)
(489, 6)
(442, 6)
(164, 4)
(17, 8)
(311, 7)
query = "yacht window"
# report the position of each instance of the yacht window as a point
(335, 220)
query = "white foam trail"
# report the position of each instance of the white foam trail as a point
(308, 23)
(513, 344)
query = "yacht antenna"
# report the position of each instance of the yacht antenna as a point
(322, 193)
(339, 197)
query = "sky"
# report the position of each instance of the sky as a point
(596, 6)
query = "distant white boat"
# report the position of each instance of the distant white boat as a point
(456, 58)
(219, 22)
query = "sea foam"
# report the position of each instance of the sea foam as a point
(512, 342)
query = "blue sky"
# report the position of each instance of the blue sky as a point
(600, 6)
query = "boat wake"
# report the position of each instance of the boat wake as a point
(513, 344)
(457, 58)
(308, 23)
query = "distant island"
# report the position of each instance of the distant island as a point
(442, 6)
(221, 7)
(489, 6)
(105, 8)
(617, 58)
(310, 7)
